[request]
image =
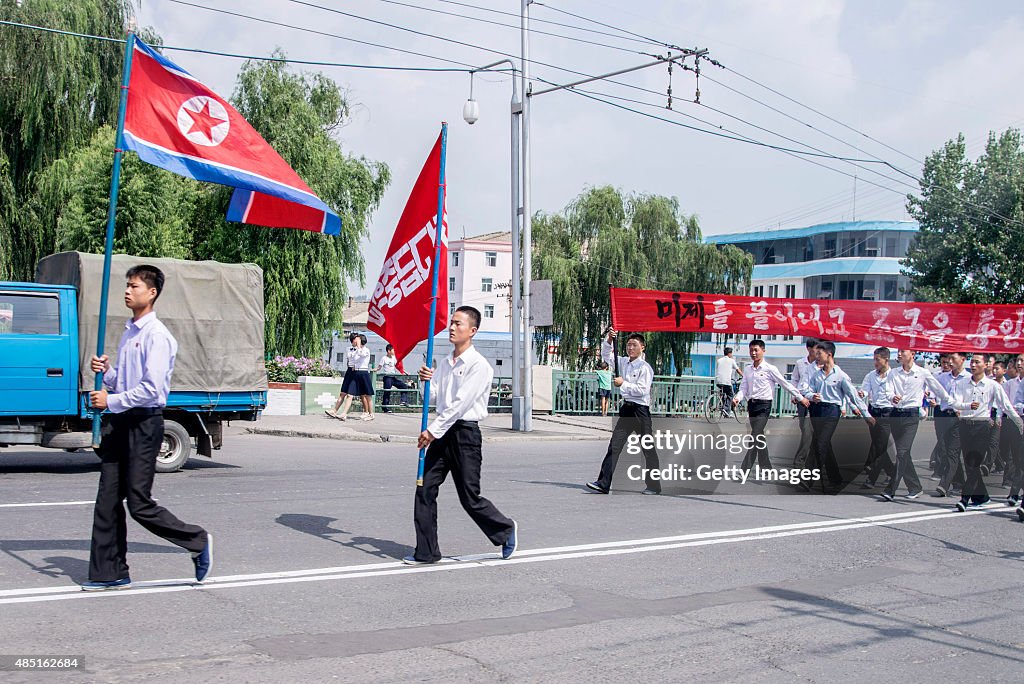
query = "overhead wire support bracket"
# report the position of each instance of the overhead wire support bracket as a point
(660, 60)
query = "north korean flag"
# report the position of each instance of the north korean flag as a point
(177, 123)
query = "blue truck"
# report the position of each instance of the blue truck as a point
(48, 332)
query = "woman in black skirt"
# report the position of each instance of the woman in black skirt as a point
(356, 382)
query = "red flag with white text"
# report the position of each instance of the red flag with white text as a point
(400, 305)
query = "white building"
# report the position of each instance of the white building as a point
(480, 275)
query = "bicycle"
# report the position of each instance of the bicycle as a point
(718, 405)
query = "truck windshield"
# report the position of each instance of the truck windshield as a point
(23, 313)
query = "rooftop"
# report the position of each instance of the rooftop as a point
(498, 236)
(807, 231)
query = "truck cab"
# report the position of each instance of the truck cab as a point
(38, 351)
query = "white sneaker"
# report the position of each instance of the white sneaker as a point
(366, 416)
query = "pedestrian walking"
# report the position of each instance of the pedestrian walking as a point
(802, 370)
(356, 382)
(634, 379)
(758, 388)
(462, 385)
(388, 368)
(135, 393)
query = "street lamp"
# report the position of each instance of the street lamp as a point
(471, 114)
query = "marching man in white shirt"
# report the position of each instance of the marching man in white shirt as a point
(910, 382)
(462, 385)
(758, 387)
(634, 379)
(975, 400)
(877, 388)
(802, 370)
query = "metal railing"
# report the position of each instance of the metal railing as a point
(500, 400)
(575, 393)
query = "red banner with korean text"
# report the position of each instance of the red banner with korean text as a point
(922, 326)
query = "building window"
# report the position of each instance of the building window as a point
(486, 285)
(759, 290)
(891, 291)
(491, 258)
(451, 284)
(488, 311)
(890, 247)
(455, 258)
(773, 291)
(451, 308)
(830, 248)
(788, 338)
(790, 291)
(826, 289)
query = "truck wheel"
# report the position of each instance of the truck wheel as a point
(175, 450)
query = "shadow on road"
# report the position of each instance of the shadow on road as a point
(320, 526)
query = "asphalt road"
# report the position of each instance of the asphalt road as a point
(306, 585)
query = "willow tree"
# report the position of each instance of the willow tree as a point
(55, 92)
(304, 273)
(639, 241)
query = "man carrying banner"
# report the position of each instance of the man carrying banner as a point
(976, 400)
(463, 385)
(910, 382)
(827, 389)
(634, 379)
(758, 387)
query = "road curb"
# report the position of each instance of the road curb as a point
(356, 436)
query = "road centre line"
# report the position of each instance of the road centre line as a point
(483, 560)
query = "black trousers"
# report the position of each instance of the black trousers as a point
(1015, 464)
(759, 411)
(128, 455)
(824, 421)
(994, 458)
(803, 452)
(904, 424)
(390, 382)
(633, 419)
(457, 452)
(878, 453)
(974, 436)
(728, 393)
(952, 465)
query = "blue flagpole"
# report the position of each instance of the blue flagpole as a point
(435, 268)
(108, 249)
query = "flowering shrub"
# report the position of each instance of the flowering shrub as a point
(289, 368)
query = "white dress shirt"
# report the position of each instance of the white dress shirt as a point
(910, 386)
(725, 368)
(989, 394)
(879, 389)
(1011, 386)
(760, 381)
(952, 384)
(802, 370)
(358, 358)
(145, 362)
(835, 388)
(637, 376)
(461, 386)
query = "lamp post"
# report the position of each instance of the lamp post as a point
(471, 113)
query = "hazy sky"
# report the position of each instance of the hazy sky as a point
(909, 74)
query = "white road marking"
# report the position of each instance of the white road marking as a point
(488, 560)
(49, 503)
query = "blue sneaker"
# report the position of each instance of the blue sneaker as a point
(123, 583)
(413, 560)
(597, 487)
(509, 547)
(203, 560)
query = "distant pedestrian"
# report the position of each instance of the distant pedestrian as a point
(388, 368)
(135, 393)
(462, 385)
(604, 386)
(357, 380)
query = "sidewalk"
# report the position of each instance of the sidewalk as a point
(404, 427)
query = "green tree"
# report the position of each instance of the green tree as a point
(638, 241)
(154, 206)
(55, 92)
(304, 273)
(971, 224)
